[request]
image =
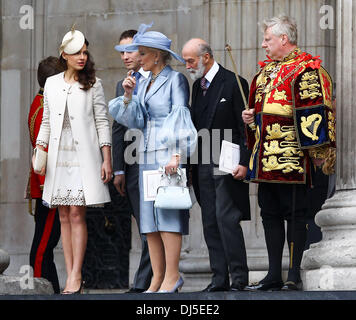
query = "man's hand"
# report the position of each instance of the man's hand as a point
(239, 173)
(248, 116)
(318, 162)
(119, 183)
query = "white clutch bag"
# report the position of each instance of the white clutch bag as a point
(40, 159)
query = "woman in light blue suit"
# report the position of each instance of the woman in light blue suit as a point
(160, 109)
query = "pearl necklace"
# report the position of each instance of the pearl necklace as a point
(154, 77)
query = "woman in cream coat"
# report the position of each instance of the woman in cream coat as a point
(75, 127)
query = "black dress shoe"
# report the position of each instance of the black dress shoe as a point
(135, 290)
(292, 286)
(265, 286)
(237, 287)
(213, 288)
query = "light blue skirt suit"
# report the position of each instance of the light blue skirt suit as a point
(162, 114)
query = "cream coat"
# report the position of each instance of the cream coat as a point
(90, 128)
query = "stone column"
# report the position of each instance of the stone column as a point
(331, 263)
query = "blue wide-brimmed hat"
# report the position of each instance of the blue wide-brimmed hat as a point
(123, 48)
(151, 39)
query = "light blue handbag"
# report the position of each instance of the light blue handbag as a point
(174, 194)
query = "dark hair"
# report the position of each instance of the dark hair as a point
(46, 68)
(127, 34)
(86, 76)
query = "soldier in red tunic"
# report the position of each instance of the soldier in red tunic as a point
(291, 126)
(47, 226)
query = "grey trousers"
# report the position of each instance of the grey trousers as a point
(222, 231)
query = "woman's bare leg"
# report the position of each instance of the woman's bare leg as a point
(66, 237)
(172, 246)
(79, 243)
(157, 257)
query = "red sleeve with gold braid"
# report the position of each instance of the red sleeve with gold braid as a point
(314, 116)
(34, 123)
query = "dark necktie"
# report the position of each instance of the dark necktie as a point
(203, 85)
(137, 76)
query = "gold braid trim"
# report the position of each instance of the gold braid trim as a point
(327, 153)
(319, 152)
(32, 121)
(329, 164)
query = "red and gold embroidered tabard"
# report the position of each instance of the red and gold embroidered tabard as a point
(36, 182)
(294, 118)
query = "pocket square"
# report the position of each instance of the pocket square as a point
(223, 100)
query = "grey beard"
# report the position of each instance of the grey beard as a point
(198, 73)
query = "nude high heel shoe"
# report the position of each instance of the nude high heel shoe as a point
(177, 286)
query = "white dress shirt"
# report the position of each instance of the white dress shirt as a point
(211, 73)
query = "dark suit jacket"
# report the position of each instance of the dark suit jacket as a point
(223, 111)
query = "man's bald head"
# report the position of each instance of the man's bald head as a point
(198, 57)
(197, 46)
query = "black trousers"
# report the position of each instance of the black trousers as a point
(143, 275)
(279, 202)
(222, 231)
(45, 239)
(316, 198)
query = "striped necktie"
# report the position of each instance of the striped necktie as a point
(203, 85)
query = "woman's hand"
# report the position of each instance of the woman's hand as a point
(43, 170)
(129, 85)
(106, 171)
(106, 168)
(171, 167)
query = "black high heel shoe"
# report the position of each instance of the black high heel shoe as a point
(79, 291)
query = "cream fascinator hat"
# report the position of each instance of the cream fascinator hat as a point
(72, 42)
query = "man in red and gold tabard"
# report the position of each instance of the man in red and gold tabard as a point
(47, 226)
(290, 127)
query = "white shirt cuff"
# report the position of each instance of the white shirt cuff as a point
(116, 173)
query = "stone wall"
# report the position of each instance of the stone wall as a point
(218, 21)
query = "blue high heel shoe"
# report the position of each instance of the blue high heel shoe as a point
(177, 286)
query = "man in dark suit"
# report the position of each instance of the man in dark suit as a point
(217, 104)
(126, 176)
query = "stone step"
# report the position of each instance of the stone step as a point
(195, 296)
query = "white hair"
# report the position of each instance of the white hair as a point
(282, 25)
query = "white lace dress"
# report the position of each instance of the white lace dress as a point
(68, 188)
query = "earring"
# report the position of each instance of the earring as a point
(156, 62)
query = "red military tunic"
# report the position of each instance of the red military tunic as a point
(293, 116)
(36, 182)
